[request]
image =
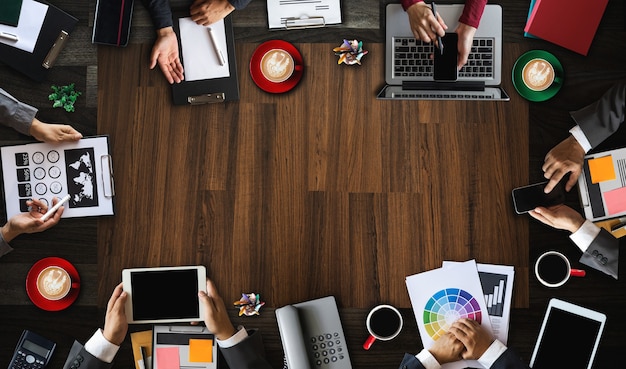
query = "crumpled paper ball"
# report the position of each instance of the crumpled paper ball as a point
(249, 304)
(350, 52)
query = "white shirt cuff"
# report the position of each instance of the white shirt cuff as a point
(428, 360)
(101, 348)
(492, 354)
(585, 235)
(579, 135)
(234, 339)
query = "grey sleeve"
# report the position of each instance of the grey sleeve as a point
(16, 114)
(4, 246)
(602, 118)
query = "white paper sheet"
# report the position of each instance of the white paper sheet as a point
(295, 13)
(44, 171)
(27, 31)
(200, 59)
(441, 296)
(497, 284)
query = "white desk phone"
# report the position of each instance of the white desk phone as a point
(312, 335)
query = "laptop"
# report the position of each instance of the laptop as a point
(409, 67)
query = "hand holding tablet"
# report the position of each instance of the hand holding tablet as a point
(164, 294)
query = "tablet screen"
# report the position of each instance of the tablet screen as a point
(568, 341)
(164, 295)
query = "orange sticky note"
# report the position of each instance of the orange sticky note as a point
(601, 169)
(200, 351)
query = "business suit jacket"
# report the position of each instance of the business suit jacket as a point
(598, 121)
(16, 114)
(161, 13)
(247, 354)
(508, 360)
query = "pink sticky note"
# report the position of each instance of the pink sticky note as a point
(168, 358)
(615, 200)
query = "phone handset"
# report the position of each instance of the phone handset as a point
(292, 337)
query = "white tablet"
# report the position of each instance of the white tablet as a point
(569, 337)
(164, 294)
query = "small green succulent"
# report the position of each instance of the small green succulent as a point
(64, 97)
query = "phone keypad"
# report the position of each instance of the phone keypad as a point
(24, 360)
(328, 348)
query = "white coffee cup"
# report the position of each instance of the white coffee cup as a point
(384, 322)
(277, 65)
(553, 269)
(538, 74)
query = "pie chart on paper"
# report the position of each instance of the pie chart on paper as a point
(447, 306)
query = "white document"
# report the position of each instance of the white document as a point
(302, 13)
(32, 15)
(44, 171)
(442, 296)
(497, 284)
(200, 57)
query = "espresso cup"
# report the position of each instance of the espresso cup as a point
(553, 269)
(538, 74)
(384, 322)
(54, 283)
(277, 65)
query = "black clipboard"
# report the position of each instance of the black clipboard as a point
(55, 31)
(209, 90)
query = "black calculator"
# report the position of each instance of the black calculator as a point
(32, 351)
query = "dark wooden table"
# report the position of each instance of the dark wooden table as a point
(98, 250)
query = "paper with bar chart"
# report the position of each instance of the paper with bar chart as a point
(440, 297)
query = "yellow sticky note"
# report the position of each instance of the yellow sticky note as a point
(200, 351)
(601, 169)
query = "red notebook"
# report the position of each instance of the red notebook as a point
(571, 24)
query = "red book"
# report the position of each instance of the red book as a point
(571, 24)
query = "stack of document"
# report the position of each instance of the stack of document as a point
(291, 14)
(571, 24)
(481, 292)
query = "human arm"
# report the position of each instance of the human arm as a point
(446, 349)
(241, 348)
(566, 157)
(424, 25)
(165, 54)
(30, 222)
(53, 133)
(101, 348)
(206, 12)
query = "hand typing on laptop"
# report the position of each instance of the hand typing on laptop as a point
(426, 27)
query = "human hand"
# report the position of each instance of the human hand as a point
(447, 349)
(466, 38)
(423, 23)
(565, 157)
(165, 53)
(215, 314)
(205, 12)
(115, 323)
(31, 222)
(53, 133)
(474, 337)
(559, 217)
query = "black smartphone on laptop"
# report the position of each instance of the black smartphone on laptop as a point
(444, 63)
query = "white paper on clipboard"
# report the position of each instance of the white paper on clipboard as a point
(288, 14)
(200, 59)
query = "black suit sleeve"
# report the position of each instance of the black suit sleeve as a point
(239, 4)
(602, 118)
(79, 358)
(603, 253)
(410, 362)
(509, 360)
(160, 12)
(247, 354)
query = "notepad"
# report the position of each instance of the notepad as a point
(10, 12)
(571, 24)
(602, 169)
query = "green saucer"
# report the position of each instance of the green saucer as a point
(526, 92)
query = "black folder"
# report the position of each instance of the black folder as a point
(111, 25)
(54, 33)
(209, 90)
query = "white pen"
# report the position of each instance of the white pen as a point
(55, 208)
(220, 56)
(8, 36)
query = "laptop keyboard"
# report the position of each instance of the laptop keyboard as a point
(412, 58)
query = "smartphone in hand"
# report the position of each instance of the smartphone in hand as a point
(444, 64)
(529, 197)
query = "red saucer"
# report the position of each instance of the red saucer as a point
(255, 67)
(40, 301)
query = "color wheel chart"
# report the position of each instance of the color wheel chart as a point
(447, 306)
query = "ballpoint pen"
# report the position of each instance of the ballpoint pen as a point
(220, 56)
(439, 42)
(8, 36)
